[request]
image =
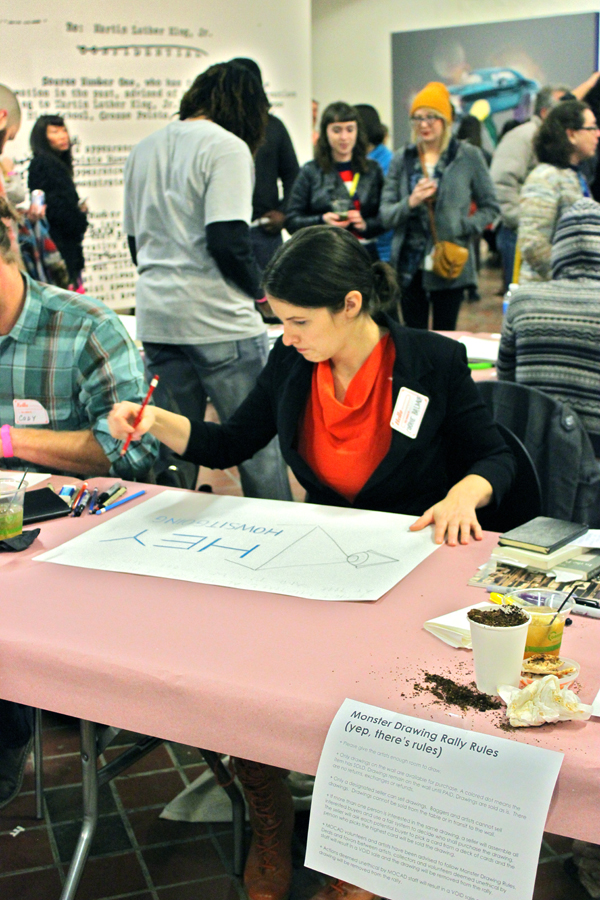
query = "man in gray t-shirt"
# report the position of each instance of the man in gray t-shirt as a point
(188, 204)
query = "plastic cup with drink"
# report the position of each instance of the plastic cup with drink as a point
(341, 206)
(12, 494)
(545, 632)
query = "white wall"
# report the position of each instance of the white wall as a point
(351, 43)
(117, 71)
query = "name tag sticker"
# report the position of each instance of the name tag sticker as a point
(30, 412)
(408, 412)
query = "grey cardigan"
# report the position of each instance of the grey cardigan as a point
(465, 179)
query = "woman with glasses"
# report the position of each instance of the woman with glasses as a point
(567, 136)
(450, 176)
(340, 186)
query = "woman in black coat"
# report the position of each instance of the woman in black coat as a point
(440, 458)
(340, 187)
(51, 171)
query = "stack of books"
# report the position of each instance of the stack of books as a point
(545, 545)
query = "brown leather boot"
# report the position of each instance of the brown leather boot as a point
(341, 890)
(268, 872)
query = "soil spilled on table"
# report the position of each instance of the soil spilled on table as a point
(465, 696)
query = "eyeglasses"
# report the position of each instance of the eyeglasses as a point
(427, 120)
(589, 128)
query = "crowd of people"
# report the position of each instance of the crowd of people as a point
(366, 406)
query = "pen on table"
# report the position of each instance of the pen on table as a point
(138, 418)
(116, 496)
(119, 502)
(79, 495)
(93, 500)
(481, 365)
(106, 495)
(83, 502)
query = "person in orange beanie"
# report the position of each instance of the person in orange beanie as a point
(437, 170)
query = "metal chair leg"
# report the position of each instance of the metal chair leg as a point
(38, 762)
(90, 810)
(238, 809)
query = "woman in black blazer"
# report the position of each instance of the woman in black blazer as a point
(443, 460)
(330, 297)
(340, 186)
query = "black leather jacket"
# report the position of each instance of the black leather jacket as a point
(314, 190)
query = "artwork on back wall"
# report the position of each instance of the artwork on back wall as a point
(493, 70)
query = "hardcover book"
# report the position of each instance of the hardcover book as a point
(542, 534)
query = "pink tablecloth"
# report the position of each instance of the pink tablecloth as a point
(260, 675)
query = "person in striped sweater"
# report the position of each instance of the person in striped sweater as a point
(551, 333)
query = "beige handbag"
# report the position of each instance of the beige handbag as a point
(449, 259)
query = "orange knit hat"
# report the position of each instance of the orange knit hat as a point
(434, 96)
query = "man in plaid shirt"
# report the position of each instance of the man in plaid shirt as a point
(64, 360)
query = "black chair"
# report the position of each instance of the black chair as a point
(524, 500)
(558, 445)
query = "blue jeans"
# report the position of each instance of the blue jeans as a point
(226, 373)
(506, 242)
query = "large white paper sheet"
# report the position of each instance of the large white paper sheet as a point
(481, 348)
(413, 810)
(31, 477)
(320, 552)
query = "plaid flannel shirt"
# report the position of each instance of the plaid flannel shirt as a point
(73, 355)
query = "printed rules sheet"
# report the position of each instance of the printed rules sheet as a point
(413, 810)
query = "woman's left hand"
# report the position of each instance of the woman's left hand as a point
(454, 518)
(356, 220)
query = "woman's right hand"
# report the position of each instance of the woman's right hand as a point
(423, 189)
(332, 218)
(121, 419)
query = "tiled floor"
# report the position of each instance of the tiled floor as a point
(136, 855)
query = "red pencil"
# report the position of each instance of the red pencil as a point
(138, 418)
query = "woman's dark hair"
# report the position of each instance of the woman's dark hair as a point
(371, 122)
(230, 95)
(470, 130)
(551, 143)
(319, 265)
(341, 112)
(38, 140)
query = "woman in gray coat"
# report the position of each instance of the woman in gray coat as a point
(459, 186)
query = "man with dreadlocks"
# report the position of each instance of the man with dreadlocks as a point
(188, 206)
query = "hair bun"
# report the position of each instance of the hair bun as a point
(385, 285)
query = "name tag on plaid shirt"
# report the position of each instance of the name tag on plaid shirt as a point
(30, 412)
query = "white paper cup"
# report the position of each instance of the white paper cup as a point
(498, 654)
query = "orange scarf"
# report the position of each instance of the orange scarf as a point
(343, 443)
